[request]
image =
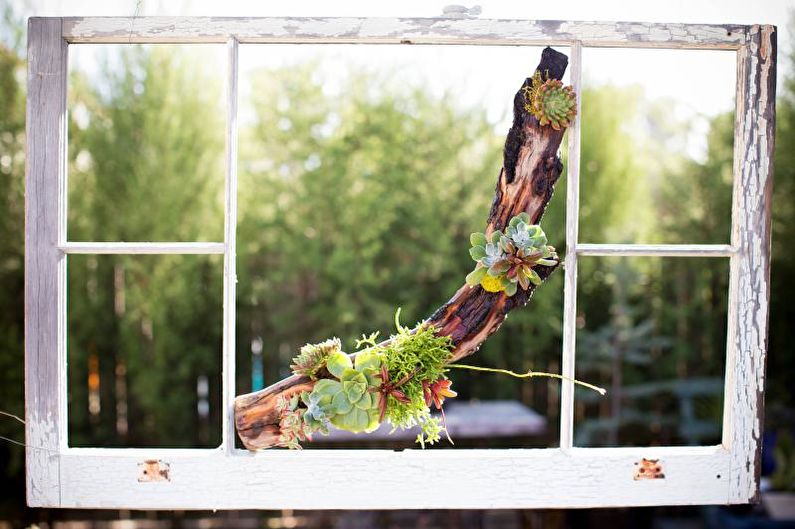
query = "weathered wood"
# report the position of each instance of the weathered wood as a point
(45, 266)
(202, 479)
(749, 290)
(230, 253)
(385, 479)
(143, 248)
(531, 167)
(441, 30)
(656, 250)
(568, 352)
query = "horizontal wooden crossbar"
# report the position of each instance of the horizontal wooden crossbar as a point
(354, 30)
(661, 250)
(143, 247)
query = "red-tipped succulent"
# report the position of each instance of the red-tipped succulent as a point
(390, 389)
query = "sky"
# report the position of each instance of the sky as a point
(701, 82)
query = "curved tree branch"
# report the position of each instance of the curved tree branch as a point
(531, 167)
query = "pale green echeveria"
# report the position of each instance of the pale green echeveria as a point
(315, 416)
(486, 252)
(348, 402)
(506, 260)
(523, 236)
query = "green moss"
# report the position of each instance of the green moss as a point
(420, 355)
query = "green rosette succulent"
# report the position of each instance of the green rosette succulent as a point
(313, 357)
(505, 261)
(550, 102)
(349, 401)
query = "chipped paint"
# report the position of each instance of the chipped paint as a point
(648, 469)
(450, 30)
(750, 268)
(153, 470)
(59, 476)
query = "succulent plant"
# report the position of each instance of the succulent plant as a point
(550, 102)
(506, 260)
(292, 428)
(349, 401)
(315, 416)
(313, 357)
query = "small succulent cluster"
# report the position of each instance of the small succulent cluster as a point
(550, 102)
(505, 261)
(313, 357)
(292, 428)
(397, 382)
(348, 401)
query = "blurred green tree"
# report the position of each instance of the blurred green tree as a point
(12, 235)
(146, 165)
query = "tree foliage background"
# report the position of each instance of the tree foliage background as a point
(353, 205)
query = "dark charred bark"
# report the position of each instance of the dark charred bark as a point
(531, 167)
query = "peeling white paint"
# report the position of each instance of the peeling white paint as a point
(230, 479)
(750, 268)
(395, 30)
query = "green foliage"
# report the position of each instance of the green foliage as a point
(335, 164)
(12, 235)
(419, 356)
(550, 102)
(313, 357)
(146, 164)
(783, 478)
(507, 260)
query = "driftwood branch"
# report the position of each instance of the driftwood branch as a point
(531, 167)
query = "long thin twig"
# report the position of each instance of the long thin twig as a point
(12, 416)
(14, 441)
(530, 374)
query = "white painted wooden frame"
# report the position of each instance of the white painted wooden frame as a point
(228, 478)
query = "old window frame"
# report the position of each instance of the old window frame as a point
(229, 478)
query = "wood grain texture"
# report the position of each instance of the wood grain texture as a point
(750, 268)
(531, 167)
(45, 265)
(354, 479)
(403, 31)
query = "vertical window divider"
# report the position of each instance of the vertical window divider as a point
(570, 263)
(230, 258)
(749, 268)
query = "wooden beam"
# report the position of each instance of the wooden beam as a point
(544, 478)
(659, 250)
(570, 280)
(230, 255)
(354, 30)
(142, 248)
(45, 265)
(749, 288)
